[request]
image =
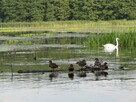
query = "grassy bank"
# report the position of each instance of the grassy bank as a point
(70, 26)
(67, 23)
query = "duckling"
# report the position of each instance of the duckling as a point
(81, 63)
(97, 62)
(104, 66)
(71, 67)
(53, 65)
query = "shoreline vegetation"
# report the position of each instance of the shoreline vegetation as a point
(67, 23)
(101, 32)
(70, 26)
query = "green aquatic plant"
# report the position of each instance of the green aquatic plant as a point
(99, 39)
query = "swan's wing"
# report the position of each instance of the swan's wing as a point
(106, 45)
(109, 46)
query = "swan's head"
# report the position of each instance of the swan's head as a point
(117, 38)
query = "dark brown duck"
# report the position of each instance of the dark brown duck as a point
(53, 65)
(97, 62)
(81, 63)
(71, 67)
(104, 66)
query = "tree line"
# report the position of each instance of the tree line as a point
(62, 10)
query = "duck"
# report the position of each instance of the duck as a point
(104, 66)
(71, 67)
(86, 68)
(97, 62)
(53, 65)
(81, 63)
(111, 47)
(122, 68)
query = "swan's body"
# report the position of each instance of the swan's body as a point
(111, 47)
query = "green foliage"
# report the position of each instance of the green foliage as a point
(126, 39)
(61, 10)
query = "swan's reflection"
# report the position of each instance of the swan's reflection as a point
(110, 51)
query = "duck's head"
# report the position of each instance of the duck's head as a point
(84, 60)
(105, 63)
(96, 59)
(50, 61)
(71, 65)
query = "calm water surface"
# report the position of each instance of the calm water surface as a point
(63, 49)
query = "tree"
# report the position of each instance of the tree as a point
(50, 11)
(62, 10)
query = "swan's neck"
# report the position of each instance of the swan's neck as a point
(117, 43)
(117, 52)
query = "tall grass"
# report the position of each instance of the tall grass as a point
(126, 39)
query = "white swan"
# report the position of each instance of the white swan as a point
(111, 47)
(111, 51)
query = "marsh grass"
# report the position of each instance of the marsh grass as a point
(66, 23)
(69, 26)
(41, 24)
(126, 39)
(104, 31)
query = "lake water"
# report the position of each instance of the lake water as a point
(18, 52)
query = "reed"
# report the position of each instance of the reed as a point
(99, 39)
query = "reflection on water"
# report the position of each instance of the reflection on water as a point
(71, 76)
(110, 51)
(113, 85)
(53, 75)
(34, 87)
